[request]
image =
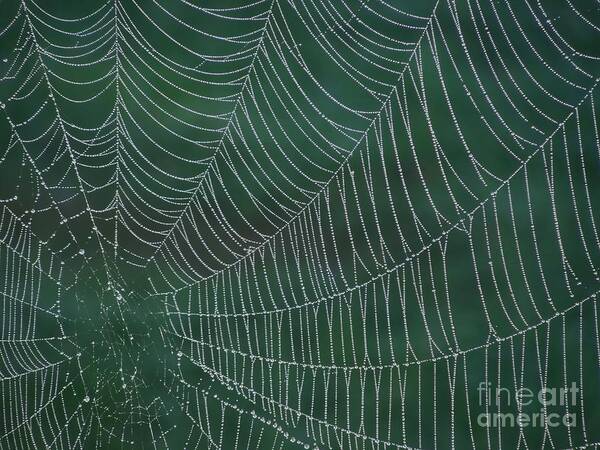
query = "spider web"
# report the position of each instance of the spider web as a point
(314, 224)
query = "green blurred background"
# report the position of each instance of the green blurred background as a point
(424, 177)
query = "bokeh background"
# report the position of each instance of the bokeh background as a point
(280, 224)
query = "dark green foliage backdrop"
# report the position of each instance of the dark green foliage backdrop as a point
(280, 224)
